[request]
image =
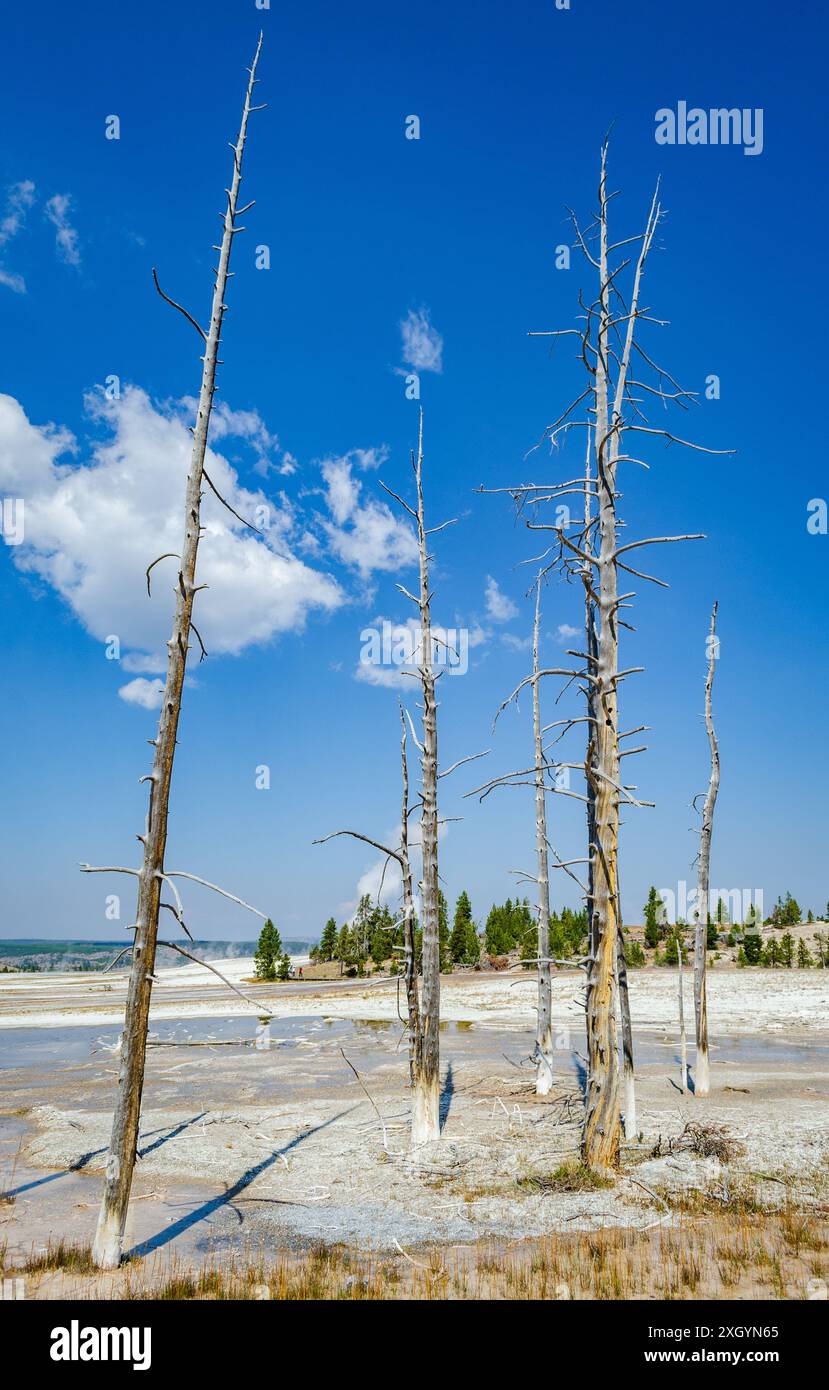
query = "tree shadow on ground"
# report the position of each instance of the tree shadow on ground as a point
(447, 1092)
(224, 1199)
(80, 1163)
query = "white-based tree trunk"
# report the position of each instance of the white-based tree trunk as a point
(683, 1038)
(544, 1024)
(426, 1108)
(702, 1077)
(107, 1246)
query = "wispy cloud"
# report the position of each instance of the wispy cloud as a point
(365, 535)
(19, 198)
(422, 345)
(66, 237)
(499, 608)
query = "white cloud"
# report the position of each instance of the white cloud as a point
(142, 692)
(499, 607)
(19, 198)
(518, 644)
(564, 632)
(92, 527)
(422, 345)
(365, 535)
(66, 237)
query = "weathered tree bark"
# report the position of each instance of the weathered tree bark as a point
(544, 1023)
(409, 961)
(592, 651)
(426, 1108)
(107, 1247)
(626, 1040)
(683, 1040)
(702, 1076)
(600, 1140)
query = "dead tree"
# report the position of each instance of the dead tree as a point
(426, 1106)
(409, 959)
(612, 357)
(591, 648)
(152, 876)
(544, 1025)
(702, 1075)
(424, 1011)
(683, 1039)
(626, 1036)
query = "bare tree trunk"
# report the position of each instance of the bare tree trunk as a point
(592, 651)
(600, 1140)
(107, 1247)
(702, 1076)
(544, 1024)
(683, 1041)
(628, 1073)
(426, 1109)
(409, 962)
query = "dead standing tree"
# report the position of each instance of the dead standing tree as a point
(426, 1105)
(107, 1247)
(609, 351)
(702, 1075)
(424, 1010)
(591, 648)
(544, 1025)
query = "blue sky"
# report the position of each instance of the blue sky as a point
(366, 228)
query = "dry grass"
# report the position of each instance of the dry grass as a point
(568, 1177)
(720, 1254)
(74, 1259)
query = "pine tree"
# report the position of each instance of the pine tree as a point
(634, 955)
(752, 947)
(804, 958)
(267, 952)
(674, 943)
(343, 952)
(653, 916)
(787, 950)
(328, 941)
(284, 970)
(459, 940)
(529, 947)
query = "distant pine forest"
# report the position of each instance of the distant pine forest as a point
(44, 955)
